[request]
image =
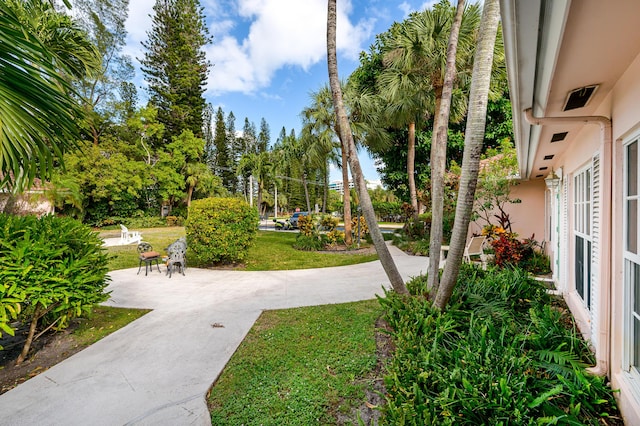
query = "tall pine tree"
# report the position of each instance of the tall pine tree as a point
(264, 137)
(234, 148)
(222, 165)
(175, 65)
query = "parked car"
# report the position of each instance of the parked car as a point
(294, 219)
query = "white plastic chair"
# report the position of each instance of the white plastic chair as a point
(129, 237)
(475, 247)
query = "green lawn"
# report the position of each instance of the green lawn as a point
(272, 251)
(304, 366)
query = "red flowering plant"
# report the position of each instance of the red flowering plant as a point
(508, 250)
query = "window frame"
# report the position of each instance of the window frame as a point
(630, 260)
(582, 208)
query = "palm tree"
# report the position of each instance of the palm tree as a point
(412, 80)
(41, 50)
(260, 166)
(439, 152)
(321, 119)
(474, 136)
(345, 130)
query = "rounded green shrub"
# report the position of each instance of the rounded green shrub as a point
(220, 230)
(51, 269)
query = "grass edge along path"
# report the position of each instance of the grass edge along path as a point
(300, 366)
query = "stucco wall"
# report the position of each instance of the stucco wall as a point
(527, 217)
(27, 204)
(625, 113)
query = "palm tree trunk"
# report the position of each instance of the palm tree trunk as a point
(439, 154)
(345, 130)
(260, 189)
(325, 189)
(306, 191)
(346, 197)
(411, 168)
(474, 136)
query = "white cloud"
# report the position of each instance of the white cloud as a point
(281, 33)
(407, 8)
(277, 33)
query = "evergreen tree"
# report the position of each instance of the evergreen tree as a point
(234, 151)
(221, 161)
(208, 135)
(175, 66)
(264, 137)
(249, 138)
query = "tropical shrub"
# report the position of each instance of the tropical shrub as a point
(307, 226)
(388, 211)
(508, 250)
(328, 222)
(359, 224)
(174, 220)
(504, 352)
(312, 242)
(52, 269)
(334, 237)
(220, 230)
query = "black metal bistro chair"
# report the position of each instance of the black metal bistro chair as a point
(148, 256)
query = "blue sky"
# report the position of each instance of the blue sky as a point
(270, 55)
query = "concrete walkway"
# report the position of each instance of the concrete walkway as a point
(158, 369)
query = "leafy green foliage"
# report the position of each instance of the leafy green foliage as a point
(220, 230)
(41, 52)
(311, 242)
(52, 268)
(503, 353)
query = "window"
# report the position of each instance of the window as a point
(582, 234)
(631, 258)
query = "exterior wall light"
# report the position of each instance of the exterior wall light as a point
(552, 180)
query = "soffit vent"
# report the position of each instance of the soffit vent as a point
(579, 97)
(548, 157)
(544, 168)
(557, 137)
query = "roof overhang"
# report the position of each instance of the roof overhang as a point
(553, 47)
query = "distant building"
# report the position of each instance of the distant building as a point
(337, 185)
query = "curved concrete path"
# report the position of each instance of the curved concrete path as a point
(158, 369)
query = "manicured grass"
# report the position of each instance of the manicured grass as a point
(272, 251)
(299, 367)
(103, 321)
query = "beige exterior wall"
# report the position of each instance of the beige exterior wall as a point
(527, 217)
(625, 109)
(603, 325)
